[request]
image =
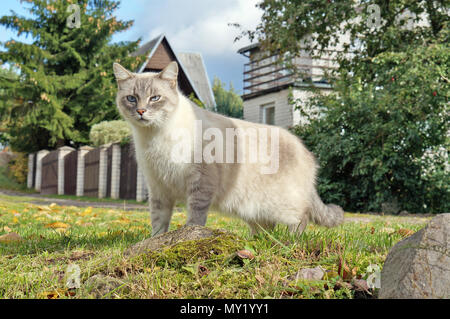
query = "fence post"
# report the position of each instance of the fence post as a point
(103, 171)
(39, 156)
(141, 187)
(82, 151)
(115, 171)
(62, 152)
(31, 168)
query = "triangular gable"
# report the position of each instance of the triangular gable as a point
(160, 54)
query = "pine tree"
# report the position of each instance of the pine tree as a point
(65, 82)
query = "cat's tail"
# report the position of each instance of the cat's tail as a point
(325, 215)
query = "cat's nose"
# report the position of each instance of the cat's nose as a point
(141, 111)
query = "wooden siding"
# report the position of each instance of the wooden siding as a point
(70, 173)
(128, 173)
(91, 172)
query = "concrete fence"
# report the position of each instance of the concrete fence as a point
(107, 171)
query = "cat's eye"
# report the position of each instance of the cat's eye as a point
(155, 98)
(131, 98)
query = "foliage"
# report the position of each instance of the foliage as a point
(65, 82)
(196, 101)
(109, 132)
(228, 103)
(377, 136)
(18, 167)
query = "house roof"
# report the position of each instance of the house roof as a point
(190, 64)
(193, 64)
(248, 48)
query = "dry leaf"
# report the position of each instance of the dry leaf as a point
(86, 212)
(56, 225)
(55, 294)
(344, 271)
(10, 238)
(360, 285)
(245, 254)
(7, 229)
(405, 232)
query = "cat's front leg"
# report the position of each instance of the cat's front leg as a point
(161, 213)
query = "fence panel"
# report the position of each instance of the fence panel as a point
(109, 171)
(91, 171)
(128, 173)
(70, 173)
(49, 179)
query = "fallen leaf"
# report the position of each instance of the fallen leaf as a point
(405, 232)
(344, 271)
(260, 279)
(245, 254)
(10, 238)
(15, 220)
(7, 229)
(57, 225)
(360, 285)
(55, 294)
(87, 211)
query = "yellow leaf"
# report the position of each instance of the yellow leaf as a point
(7, 229)
(55, 294)
(15, 220)
(10, 238)
(56, 225)
(102, 234)
(53, 205)
(87, 211)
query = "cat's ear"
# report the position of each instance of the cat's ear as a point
(121, 73)
(170, 73)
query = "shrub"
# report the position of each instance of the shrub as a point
(109, 132)
(18, 168)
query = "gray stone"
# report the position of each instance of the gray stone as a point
(419, 266)
(182, 234)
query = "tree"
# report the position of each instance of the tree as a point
(65, 82)
(383, 135)
(228, 103)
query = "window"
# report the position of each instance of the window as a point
(267, 113)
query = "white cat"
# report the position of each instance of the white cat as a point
(158, 112)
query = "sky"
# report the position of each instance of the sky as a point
(190, 26)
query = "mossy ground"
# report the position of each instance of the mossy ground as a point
(95, 240)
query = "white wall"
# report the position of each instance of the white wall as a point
(283, 111)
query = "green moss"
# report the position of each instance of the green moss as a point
(216, 249)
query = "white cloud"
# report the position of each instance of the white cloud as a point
(202, 25)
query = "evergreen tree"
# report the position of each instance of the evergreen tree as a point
(228, 102)
(65, 82)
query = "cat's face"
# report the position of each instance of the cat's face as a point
(147, 99)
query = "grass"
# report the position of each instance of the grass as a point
(94, 239)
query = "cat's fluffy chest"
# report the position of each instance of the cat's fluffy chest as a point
(154, 158)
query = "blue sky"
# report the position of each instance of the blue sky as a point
(190, 26)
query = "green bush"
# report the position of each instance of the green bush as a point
(386, 141)
(109, 132)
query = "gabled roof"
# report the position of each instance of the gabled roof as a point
(193, 64)
(192, 68)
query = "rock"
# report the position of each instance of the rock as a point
(419, 266)
(403, 213)
(187, 245)
(101, 286)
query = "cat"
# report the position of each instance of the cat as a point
(277, 190)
